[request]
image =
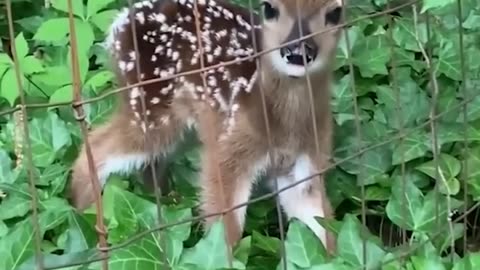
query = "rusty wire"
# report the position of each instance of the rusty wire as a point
(80, 117)
(31, 179)
(77, 104)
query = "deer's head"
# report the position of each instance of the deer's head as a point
(288, 20)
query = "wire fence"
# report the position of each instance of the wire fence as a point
(418, 36)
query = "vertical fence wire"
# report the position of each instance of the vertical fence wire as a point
(146, 134)
(266, 120)
(396, 90)
(465, 174)
(31, 178)
(80, 117)
(358, 131)
(212, 137)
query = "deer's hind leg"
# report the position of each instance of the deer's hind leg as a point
(117, 147)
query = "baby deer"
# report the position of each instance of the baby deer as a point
(226, 103)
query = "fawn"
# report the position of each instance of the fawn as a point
(227, 102)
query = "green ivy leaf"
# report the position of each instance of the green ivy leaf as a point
(104, 19)
(31, 65)
(302, 247)
(93, 6)
(270, 245)
(9, 87)
(470, 261)
(431, 4)
(77, 6)
(411, 210)
(99, 80)
(49, 137)
(6, 173)
(448, 62)
(53, 31)
(427, 263)
(371, 57)
(211, 251)
(472, 22)
(63, 94)
(405, 35)
(448, 167)
(14, 206)
(21, 46)
(472, 167)
(242, 249)
(414, 145)
(351, 248)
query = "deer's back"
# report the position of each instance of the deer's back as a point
(164, 34)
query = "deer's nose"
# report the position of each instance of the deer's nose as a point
(293, 53)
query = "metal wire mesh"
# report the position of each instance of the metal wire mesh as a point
(402, 134)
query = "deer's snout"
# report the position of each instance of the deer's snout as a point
(293, 54)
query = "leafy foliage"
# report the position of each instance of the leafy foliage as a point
(398, 177)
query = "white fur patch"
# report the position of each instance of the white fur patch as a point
(117, 25)
(293, 70)
(121, 164)
(297, 203)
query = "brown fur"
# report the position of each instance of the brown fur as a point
(230, 160)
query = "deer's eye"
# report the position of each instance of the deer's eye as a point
(269, 12)
(333, 16)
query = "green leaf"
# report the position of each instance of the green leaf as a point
(376, 193)
(63, 94)
(470, 261)
(448, 168)
(49, 137)
(411, 210)
(14, 206)
(94, 6)
(268, 244)
(19, 245)
(405, 35)
(302, 247)
(21, 46)
(415, 145)
(211, 251)
(99, 80)
(371, 57)
(448, 62)
(431, 4)
(80, 234)
(427, 263)
(103, 20)
(472, 171)
(53, 31)
(31, 65)
(350, 246)
(77, 6)
(9, 87)
(472, 22)
(242, 250)
(6, 173)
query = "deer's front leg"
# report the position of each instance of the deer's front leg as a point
(227, 177)
(307, 200)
